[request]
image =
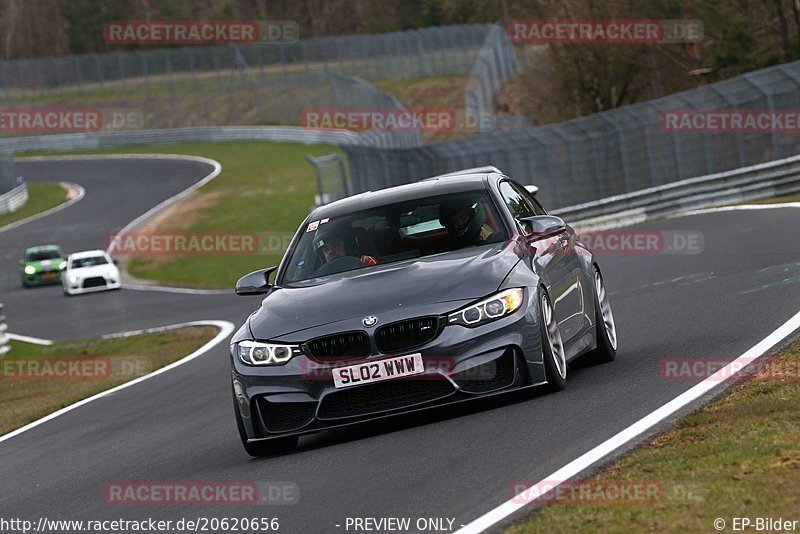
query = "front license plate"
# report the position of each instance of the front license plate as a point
(377, 371)
(49, 275)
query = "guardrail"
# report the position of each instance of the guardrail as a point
(774, 178)
(4, 347)
(200, 134)
(12, 200)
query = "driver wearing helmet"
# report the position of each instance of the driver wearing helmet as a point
(339, 252)
(465, 220)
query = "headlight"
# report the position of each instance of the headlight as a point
(62, 265)
(489, 309)
(73, 279)
(258, 353)
(30, 269)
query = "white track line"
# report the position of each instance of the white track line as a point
(217, 169)
(28, 339)
(741, 207)
(573, 468)
(75, 190)
(226, 328)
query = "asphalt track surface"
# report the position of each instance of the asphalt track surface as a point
(453, 463)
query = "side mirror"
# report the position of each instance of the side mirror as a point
(544, 226)
(255, 283)
(532, 189)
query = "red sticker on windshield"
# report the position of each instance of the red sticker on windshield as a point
(312, 226)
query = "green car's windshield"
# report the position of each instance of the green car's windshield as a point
(41, 255)
(392, 233)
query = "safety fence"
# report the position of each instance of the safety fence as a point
(12, 200)
(494, 65)
(772, 179)
(249, 84)
(618, 151)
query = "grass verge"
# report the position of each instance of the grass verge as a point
(738, 457)
(41, 196)
(264, 188)
(27, 394)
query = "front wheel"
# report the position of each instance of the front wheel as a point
(553, 356)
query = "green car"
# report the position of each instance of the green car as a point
(42, 265)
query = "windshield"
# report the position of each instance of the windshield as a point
(91, 261)
(41, 255)
(394, 232)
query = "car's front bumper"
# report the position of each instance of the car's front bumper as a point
(461, 364)
(42, 278)
(78, 289)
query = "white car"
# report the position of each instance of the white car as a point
(89, 271)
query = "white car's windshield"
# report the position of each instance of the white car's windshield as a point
(91, 261)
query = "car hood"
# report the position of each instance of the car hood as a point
(454, 276)
(46, 265)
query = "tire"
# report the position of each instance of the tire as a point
(263, 448)
(553, 356)
(605, 327)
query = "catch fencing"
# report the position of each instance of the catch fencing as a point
(249, 84)
(614, 152)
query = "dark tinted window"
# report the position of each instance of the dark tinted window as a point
(40, 255)
(77, 263)
(393, 232)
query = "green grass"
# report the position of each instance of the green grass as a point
(25, 400)
(263, 188)
(41, 196)
(738, 457)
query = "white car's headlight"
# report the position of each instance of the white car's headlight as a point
(489, 309)
(258, 353)
(30, 269)
(73, 279)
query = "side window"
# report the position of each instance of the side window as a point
(527, 195)
(517, 204)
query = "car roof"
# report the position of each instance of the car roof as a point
(87, 254)
(454, 182)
